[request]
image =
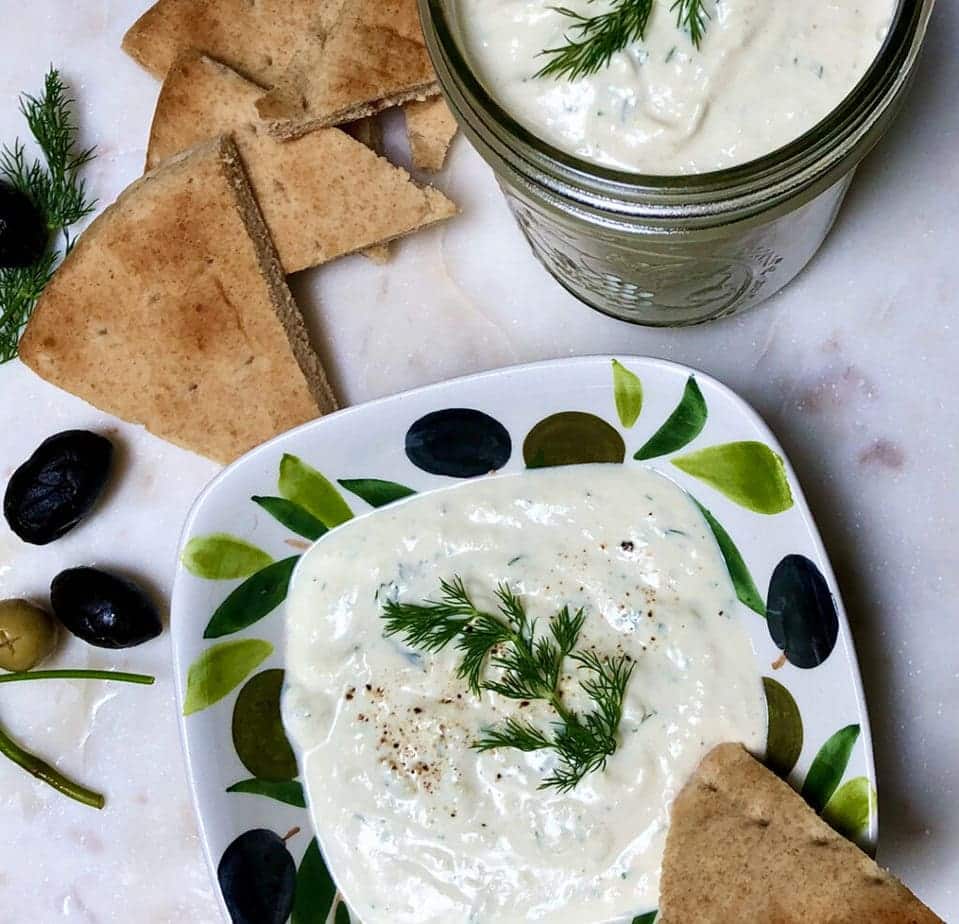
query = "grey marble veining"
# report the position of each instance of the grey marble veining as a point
(854, 366)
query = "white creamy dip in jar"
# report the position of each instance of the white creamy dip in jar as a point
(766, 71)
(418, 827)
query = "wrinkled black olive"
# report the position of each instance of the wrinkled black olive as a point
(23, 232)
(257, 877)
(56, 487)
(103, 609)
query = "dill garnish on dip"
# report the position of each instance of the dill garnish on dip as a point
(496, 689)
(664, 87)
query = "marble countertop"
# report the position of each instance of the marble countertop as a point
(853, 366)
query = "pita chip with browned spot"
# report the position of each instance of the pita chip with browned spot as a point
(322, 195)
(257, 38)
(744, 846)
(430, 128)
(172, 311)
(373, 58)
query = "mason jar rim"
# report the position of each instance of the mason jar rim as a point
(813, 159)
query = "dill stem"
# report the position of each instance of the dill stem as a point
(117, 676)
(40, 769)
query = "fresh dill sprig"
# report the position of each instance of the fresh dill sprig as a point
(593, 40)
(530, 668)
(598, 38)
(55, 188)
(692, 16)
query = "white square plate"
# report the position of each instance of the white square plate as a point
(249, 525)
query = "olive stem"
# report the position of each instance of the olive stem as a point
(118, 676)
(43, 771)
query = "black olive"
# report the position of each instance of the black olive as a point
(103, 609)
(56, 487)
(23, 232)
(257, 877)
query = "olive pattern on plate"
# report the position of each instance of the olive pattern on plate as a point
(257, 873)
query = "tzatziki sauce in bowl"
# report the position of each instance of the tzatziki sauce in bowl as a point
(420, 826)
(674, 162)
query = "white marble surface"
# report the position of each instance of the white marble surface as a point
(854, 367)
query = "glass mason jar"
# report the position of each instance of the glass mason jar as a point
(675, 250)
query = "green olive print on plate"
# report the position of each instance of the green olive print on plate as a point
(747, 472)
(572, 438)
(784, 731)
(681, 427)
(240, 546)
(258, 735)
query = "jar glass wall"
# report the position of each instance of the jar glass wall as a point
(662, 250)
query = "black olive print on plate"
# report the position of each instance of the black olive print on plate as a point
(458, 442)
(801, 612)
(257, 876)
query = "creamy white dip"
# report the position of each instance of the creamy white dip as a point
(766, 72)
(417, 827)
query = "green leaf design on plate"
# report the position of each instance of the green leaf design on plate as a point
(315, 891)
(220, 669)
(342, 915)
(221, 557)
(829, 766)
(849, 809)
(739, 574)
(292, 516)
(258, 735)
(305, 486)
(748, 472)
(375, 492)
(647, 918)
(255, 598)
(681, 427)
(288, 791)
(628, 392)
(784, 731)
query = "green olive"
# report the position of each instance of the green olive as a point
(27, 635)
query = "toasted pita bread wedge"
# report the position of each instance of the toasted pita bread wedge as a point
(373, 58)
(744, 846)
(257, 39)
(322, 195)
(173, 311)
(368, 131)
(430, 128)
